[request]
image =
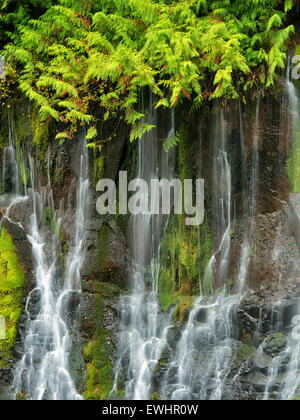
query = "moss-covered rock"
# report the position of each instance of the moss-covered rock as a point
(185, 253)
(99, 161)
(293, 166)
(274, 344)
(98, 352)
(242, 353)
(12, 281)
(182, 310)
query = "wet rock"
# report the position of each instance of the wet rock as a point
(22, 245)
(274, 344)
(21, 211)
(259, 362)
(107, 255)
(15, 230)
(6, 379)
(240, 355)
(33, 304)
(257, 380)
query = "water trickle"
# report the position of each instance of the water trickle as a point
(250, 197)
(144, 328)
(43, 372)
(201, 362)
(284, 374)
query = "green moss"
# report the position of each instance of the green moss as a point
(182, 310)
(185, 254)
(155, 396)
(281, 338)
(98, 351)
(104, 240)
(185, 250)
(98, 167)
(242, 353)
(293, 166)
(4, 133)
(40, 131)
(20, 397)
(50, 220)
(12, 280)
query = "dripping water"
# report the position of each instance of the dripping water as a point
(43, 372)
(201, 363)
(144, 331)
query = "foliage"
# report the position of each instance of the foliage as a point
(293, 166)
(171, 142)
(74, 54)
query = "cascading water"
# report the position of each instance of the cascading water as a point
(197, 360)
(43, 372)
(144, 327)
(10, 162)
(201, 362)
(284, 374)
(252, 202)
(14, 172)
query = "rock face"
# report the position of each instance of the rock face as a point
(15, 284)
(273, 269)
(22, 245)
(100, 326)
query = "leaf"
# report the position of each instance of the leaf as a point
(138, 130)
(170, 142)
(62, 136)
(275, 21)
(92, 133)
(163, 102)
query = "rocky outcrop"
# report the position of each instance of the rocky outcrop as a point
(273, 268)
(15, 283)
(100, 327)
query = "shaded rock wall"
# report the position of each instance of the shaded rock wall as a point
(15, 284)
(186, 251)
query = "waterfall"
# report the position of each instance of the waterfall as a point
(43, 372)
(284, 374)
(201, 362)
(144, 329)
(13, 170)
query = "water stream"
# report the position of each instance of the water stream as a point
(144, 327)
(43, 372)
(284, 374)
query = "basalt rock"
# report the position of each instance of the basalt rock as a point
(23, 248)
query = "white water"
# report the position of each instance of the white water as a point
(201, 361)
(43, 372)
(144, 328)
(289, 377)
(205, 351)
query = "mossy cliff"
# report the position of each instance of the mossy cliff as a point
(293, 165)
(185, 253)
(185, 250)
(12, 282)
(99, 329)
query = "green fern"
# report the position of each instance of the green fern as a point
(73, 54)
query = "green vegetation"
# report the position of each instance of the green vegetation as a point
(12, 280)
(155, 397)
(185, 253)
(98, 351)
(293, 166)
(185, 250)
(68, 56)
(241, 354)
